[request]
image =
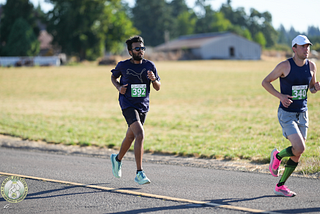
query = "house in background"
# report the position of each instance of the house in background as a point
(45, 40)
(212, 46)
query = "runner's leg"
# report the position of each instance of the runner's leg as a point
(126, 144)
(298, 147)
(138, 132)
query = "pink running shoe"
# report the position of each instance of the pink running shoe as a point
(284, 191)
(274, 163)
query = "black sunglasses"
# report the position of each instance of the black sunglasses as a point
(139, 48)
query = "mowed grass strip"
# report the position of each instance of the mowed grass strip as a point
(208, 109)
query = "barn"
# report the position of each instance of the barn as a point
(224, 45)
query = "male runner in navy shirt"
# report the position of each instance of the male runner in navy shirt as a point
(136, 75)
(297, 75)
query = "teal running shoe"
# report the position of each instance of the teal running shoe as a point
(141, 178)
(116, 166)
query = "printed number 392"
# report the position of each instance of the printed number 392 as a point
(138, 92)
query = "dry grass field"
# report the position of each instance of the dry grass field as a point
(208, 109)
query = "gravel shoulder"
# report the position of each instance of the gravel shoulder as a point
(39, 146)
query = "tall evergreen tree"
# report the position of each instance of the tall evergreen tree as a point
(313, 31)
(12, 11)
(21, 40)
(292, 33)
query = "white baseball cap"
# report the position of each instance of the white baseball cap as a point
(301, 40)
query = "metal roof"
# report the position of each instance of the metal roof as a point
(190, 41)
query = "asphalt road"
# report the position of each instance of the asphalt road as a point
(56, 184)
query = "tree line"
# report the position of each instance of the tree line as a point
(89, 28)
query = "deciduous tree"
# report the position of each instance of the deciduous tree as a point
(87, 28)
(153, 19)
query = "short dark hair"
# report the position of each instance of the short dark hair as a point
(132, 40)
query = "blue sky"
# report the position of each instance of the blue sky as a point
(299, 14)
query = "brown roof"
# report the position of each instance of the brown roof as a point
(190, 41)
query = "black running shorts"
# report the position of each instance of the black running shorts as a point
(132, 115)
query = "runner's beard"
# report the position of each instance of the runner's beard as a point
(137, 57)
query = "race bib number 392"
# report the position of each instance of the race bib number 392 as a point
(299, 92)
(138, 90)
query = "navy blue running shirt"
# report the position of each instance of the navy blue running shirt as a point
(138, 89)
(296, 84)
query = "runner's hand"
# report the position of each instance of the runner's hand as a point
(151, 75)
(122, 89)
(286, 100)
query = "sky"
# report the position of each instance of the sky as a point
(299, 14)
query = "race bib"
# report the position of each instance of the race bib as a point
(138, 90)
(299, 92)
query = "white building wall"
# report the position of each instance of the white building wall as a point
(38, 60)
(219, 48)
(197, 52)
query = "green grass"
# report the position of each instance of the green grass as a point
(209, 109)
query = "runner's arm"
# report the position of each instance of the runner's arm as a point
(155, 83)
(314, 85)
(278, 71)
(121, 88)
